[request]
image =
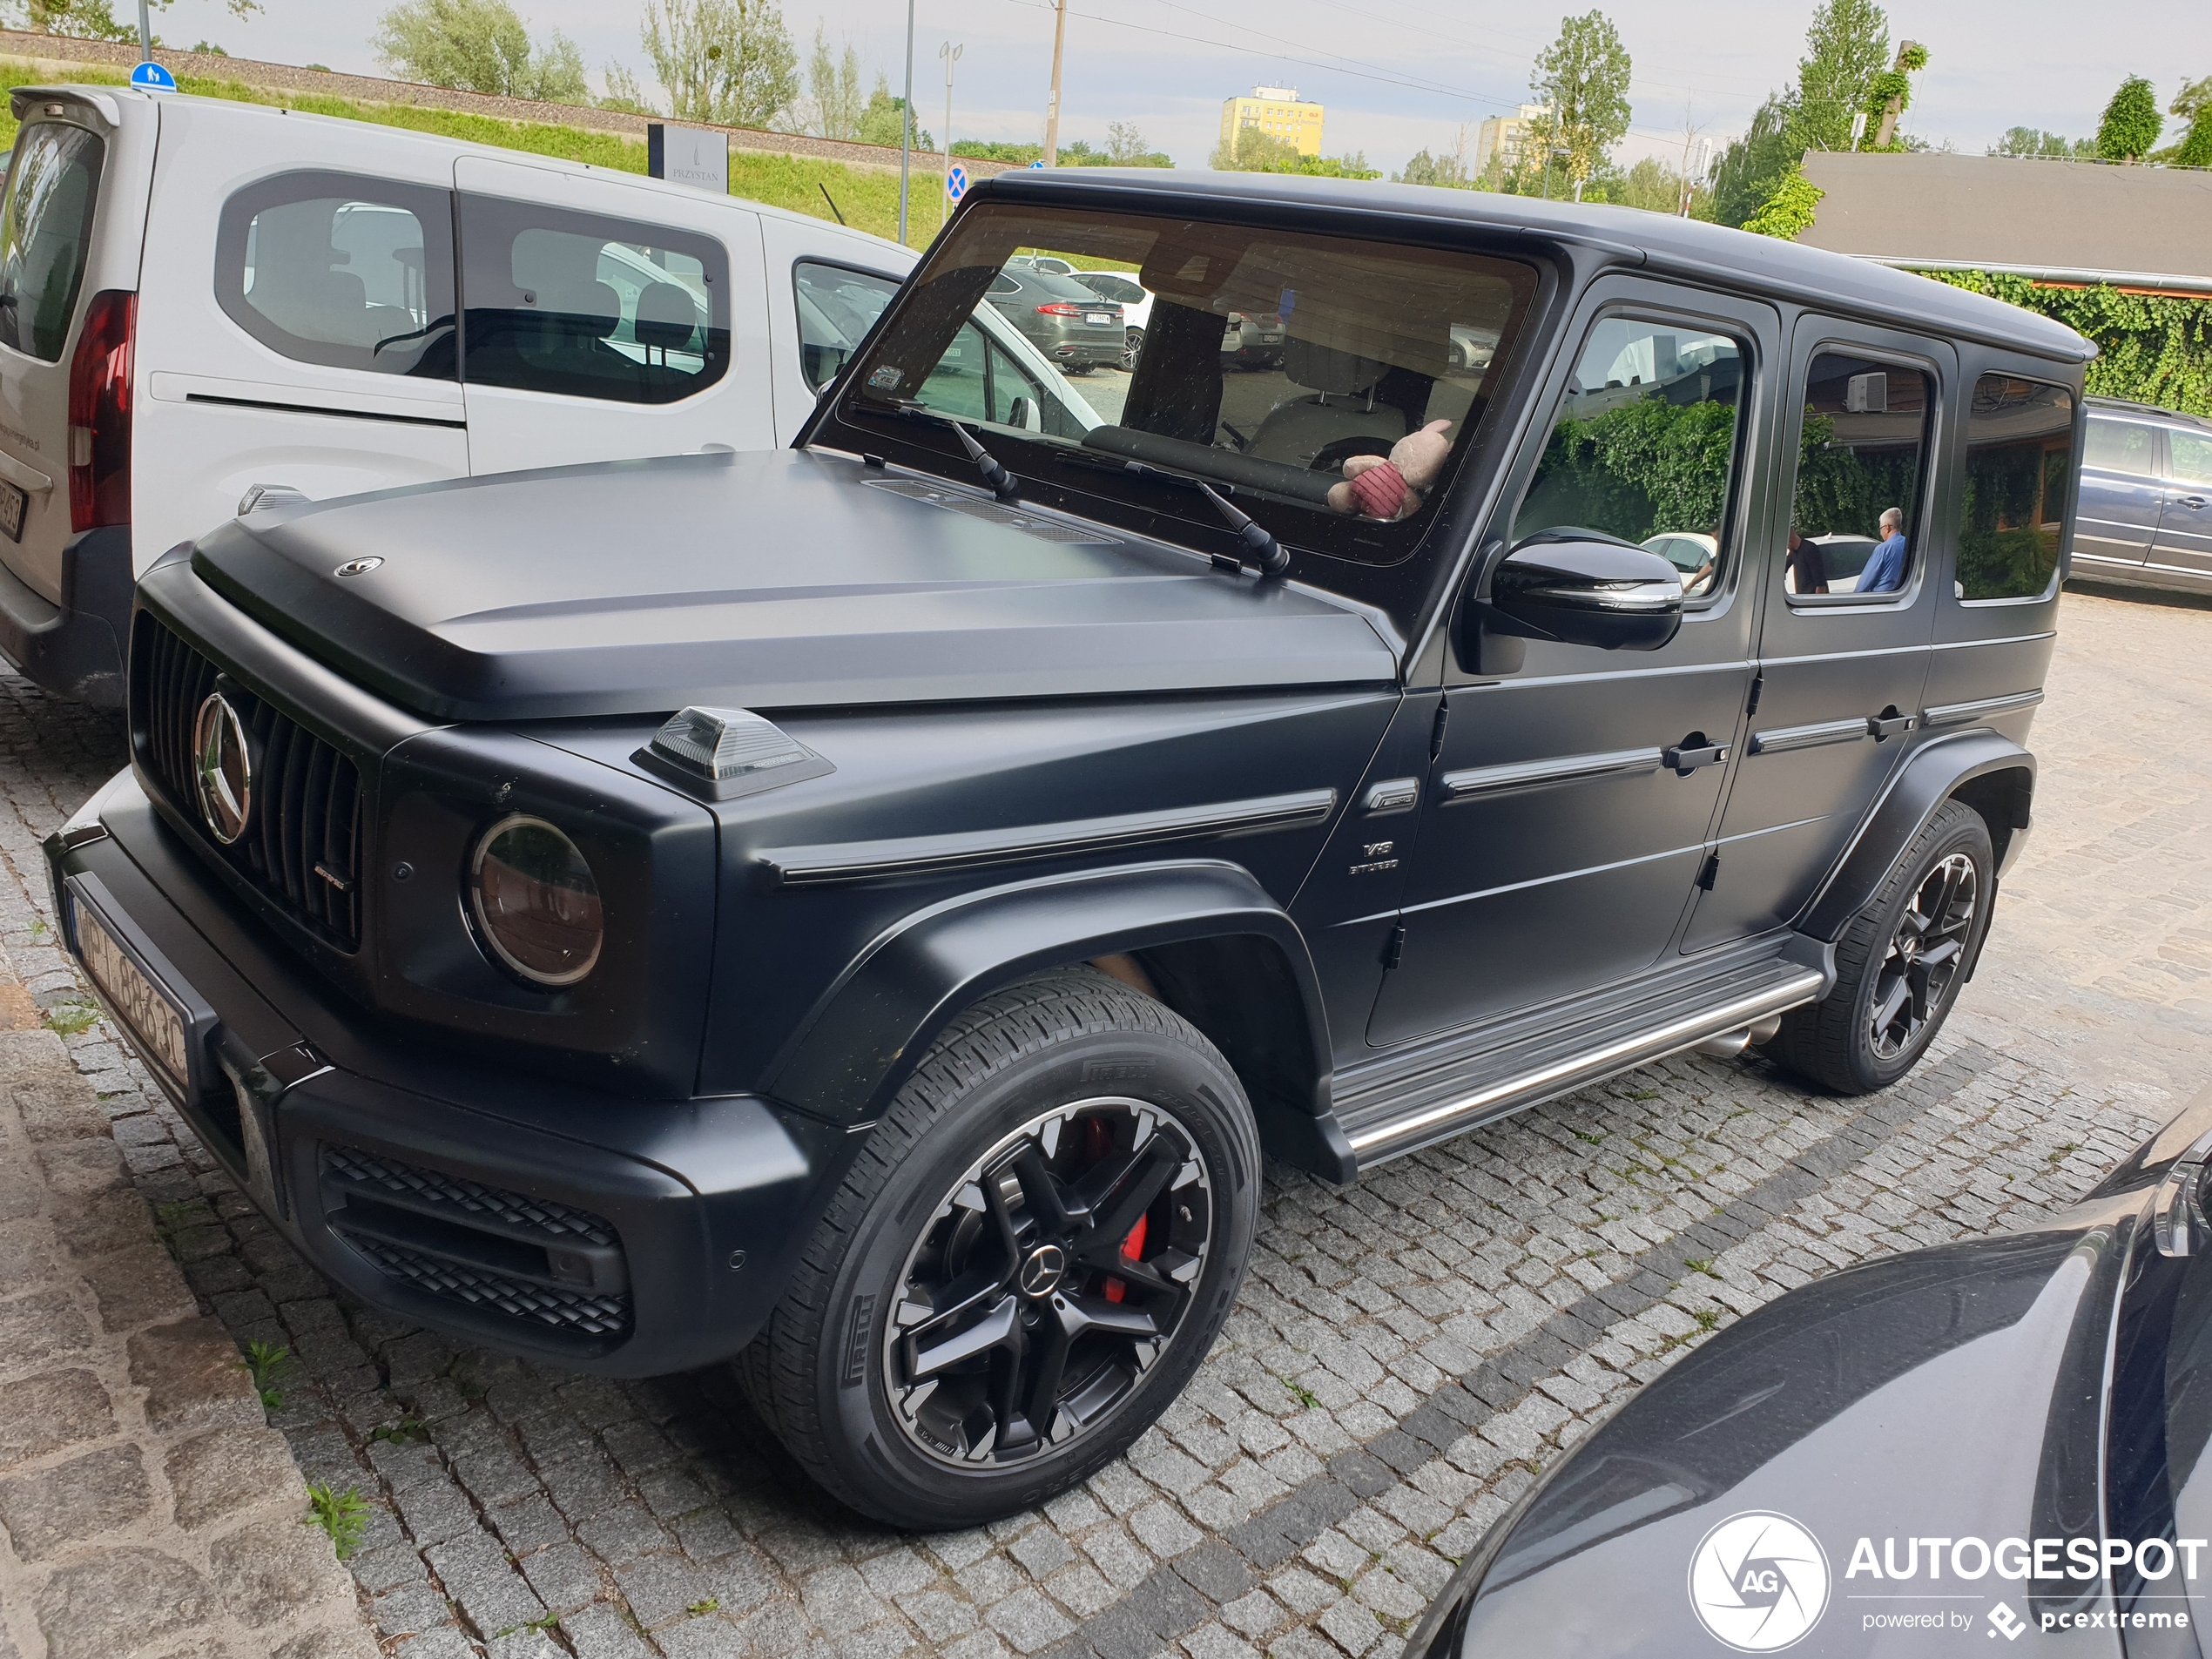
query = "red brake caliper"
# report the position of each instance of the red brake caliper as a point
(1097, 1142)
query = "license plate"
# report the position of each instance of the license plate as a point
(12, 503)
(1271, 339)
(152, 1019)
(1096, 316)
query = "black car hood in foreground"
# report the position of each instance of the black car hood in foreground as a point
(1954, 1393)
(775, 580)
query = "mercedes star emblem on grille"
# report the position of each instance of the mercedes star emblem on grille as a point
(222, 768)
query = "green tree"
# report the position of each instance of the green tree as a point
(1753, 166)
(727, 63)
(2195, 150)
(1654, 186)
(1127, 147)
(882, 121)
(1847, 46)
(1888, 96)
(2192, 99)
(1581, 81)
(624, 93)
(833, 84)
(2131, 124)
(94, 19)
(478, 46)
(2030, 141)
(1789, 210)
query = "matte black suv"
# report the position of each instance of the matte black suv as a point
(870, 910)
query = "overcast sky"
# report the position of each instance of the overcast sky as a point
(1396, 75)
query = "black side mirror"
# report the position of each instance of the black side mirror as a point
(1584, 588)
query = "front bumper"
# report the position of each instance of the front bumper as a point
(620, 1237)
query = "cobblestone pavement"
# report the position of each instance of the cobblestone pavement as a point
(147, 1502)
(1406, 1352)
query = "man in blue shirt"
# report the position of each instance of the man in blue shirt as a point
(1885, 571)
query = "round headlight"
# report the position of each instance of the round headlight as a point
(536, 901)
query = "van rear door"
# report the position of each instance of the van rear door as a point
(588, 297)
(71, 229)
(296, 327)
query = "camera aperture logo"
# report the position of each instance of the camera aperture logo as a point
(1758, 1581)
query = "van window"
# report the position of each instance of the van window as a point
(347, 272)
(1859, 460)
(1644, 445)
(587, 307)
(45, 231)
(2122, 446)
(2020, 465)
(837, 306)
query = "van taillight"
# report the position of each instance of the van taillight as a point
(99, 413)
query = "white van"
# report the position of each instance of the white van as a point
(204, 301)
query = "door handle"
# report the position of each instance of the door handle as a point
(2193, 501)
(1888, 724)
(1686, 759)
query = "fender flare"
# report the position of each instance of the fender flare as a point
(866, 1034)
(1932, 775)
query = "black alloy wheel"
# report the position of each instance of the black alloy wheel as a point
(1132, 343)
(1049, 1280)
(1030, 1253)
(1900, 962)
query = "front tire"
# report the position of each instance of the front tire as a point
(1900, 963)
(1132, 343)
(1027, 1261)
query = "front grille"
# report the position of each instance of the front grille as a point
(598, 1316)
(534, 1259)
(302, 843)
(430, 1190)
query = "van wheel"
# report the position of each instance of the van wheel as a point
(1900, 962)
(1030, 1255)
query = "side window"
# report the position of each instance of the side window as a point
(2122, 446)
(1644, 447)
(346, 271)
(2192, 457)
(1854, 524)
(2020, 465)
(585, 307)
(837, 306)
(45, 232)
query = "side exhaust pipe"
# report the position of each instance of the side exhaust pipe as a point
(1728, 1044)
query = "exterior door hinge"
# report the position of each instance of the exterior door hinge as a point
(1711, 872)
(1758, 684)
(1436, 732)
(1394, 952)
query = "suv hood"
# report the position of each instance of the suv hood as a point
(775, 580)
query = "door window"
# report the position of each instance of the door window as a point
(837, 306)
(2122, 446)
(46, 230)
(1107, 286)
(2020, 465)
(1854, 527)
(347, 272)
(584, 306)
(1644, 447)
(2192, 457)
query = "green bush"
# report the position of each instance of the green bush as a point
(2151, 347)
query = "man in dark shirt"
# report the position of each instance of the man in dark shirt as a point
(1807, 564)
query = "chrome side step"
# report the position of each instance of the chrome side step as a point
(1393, 1137)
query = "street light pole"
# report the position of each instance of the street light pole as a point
(950, 53)
(906, 126)
(145, 34)
(1052, 104)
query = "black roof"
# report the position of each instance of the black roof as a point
(1657, 242)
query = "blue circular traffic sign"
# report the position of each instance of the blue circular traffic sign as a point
(150, 76)
(1039, 162)
(956, 183)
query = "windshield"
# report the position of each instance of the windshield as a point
(1329, 383)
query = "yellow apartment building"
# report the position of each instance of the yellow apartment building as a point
(1278, 111)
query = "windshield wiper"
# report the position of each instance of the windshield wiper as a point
(1003, 482)
(1271, 557)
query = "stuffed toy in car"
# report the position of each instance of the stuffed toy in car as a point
(1390, 487)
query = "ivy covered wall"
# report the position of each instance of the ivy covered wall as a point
(2151, 348)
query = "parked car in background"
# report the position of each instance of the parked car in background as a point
(869, 910)
(1986, 1438)
(1692, 553)
(1253, 340)
(203, 301)
(2146, 498)
(1062, 317)
(1136, 302)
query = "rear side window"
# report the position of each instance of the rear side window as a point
(2020, 465)
(347, 272)
(45, 231)
(583, 306)
(2122, 446)
(1855, 528)
(2192, 457)
(837, 306)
